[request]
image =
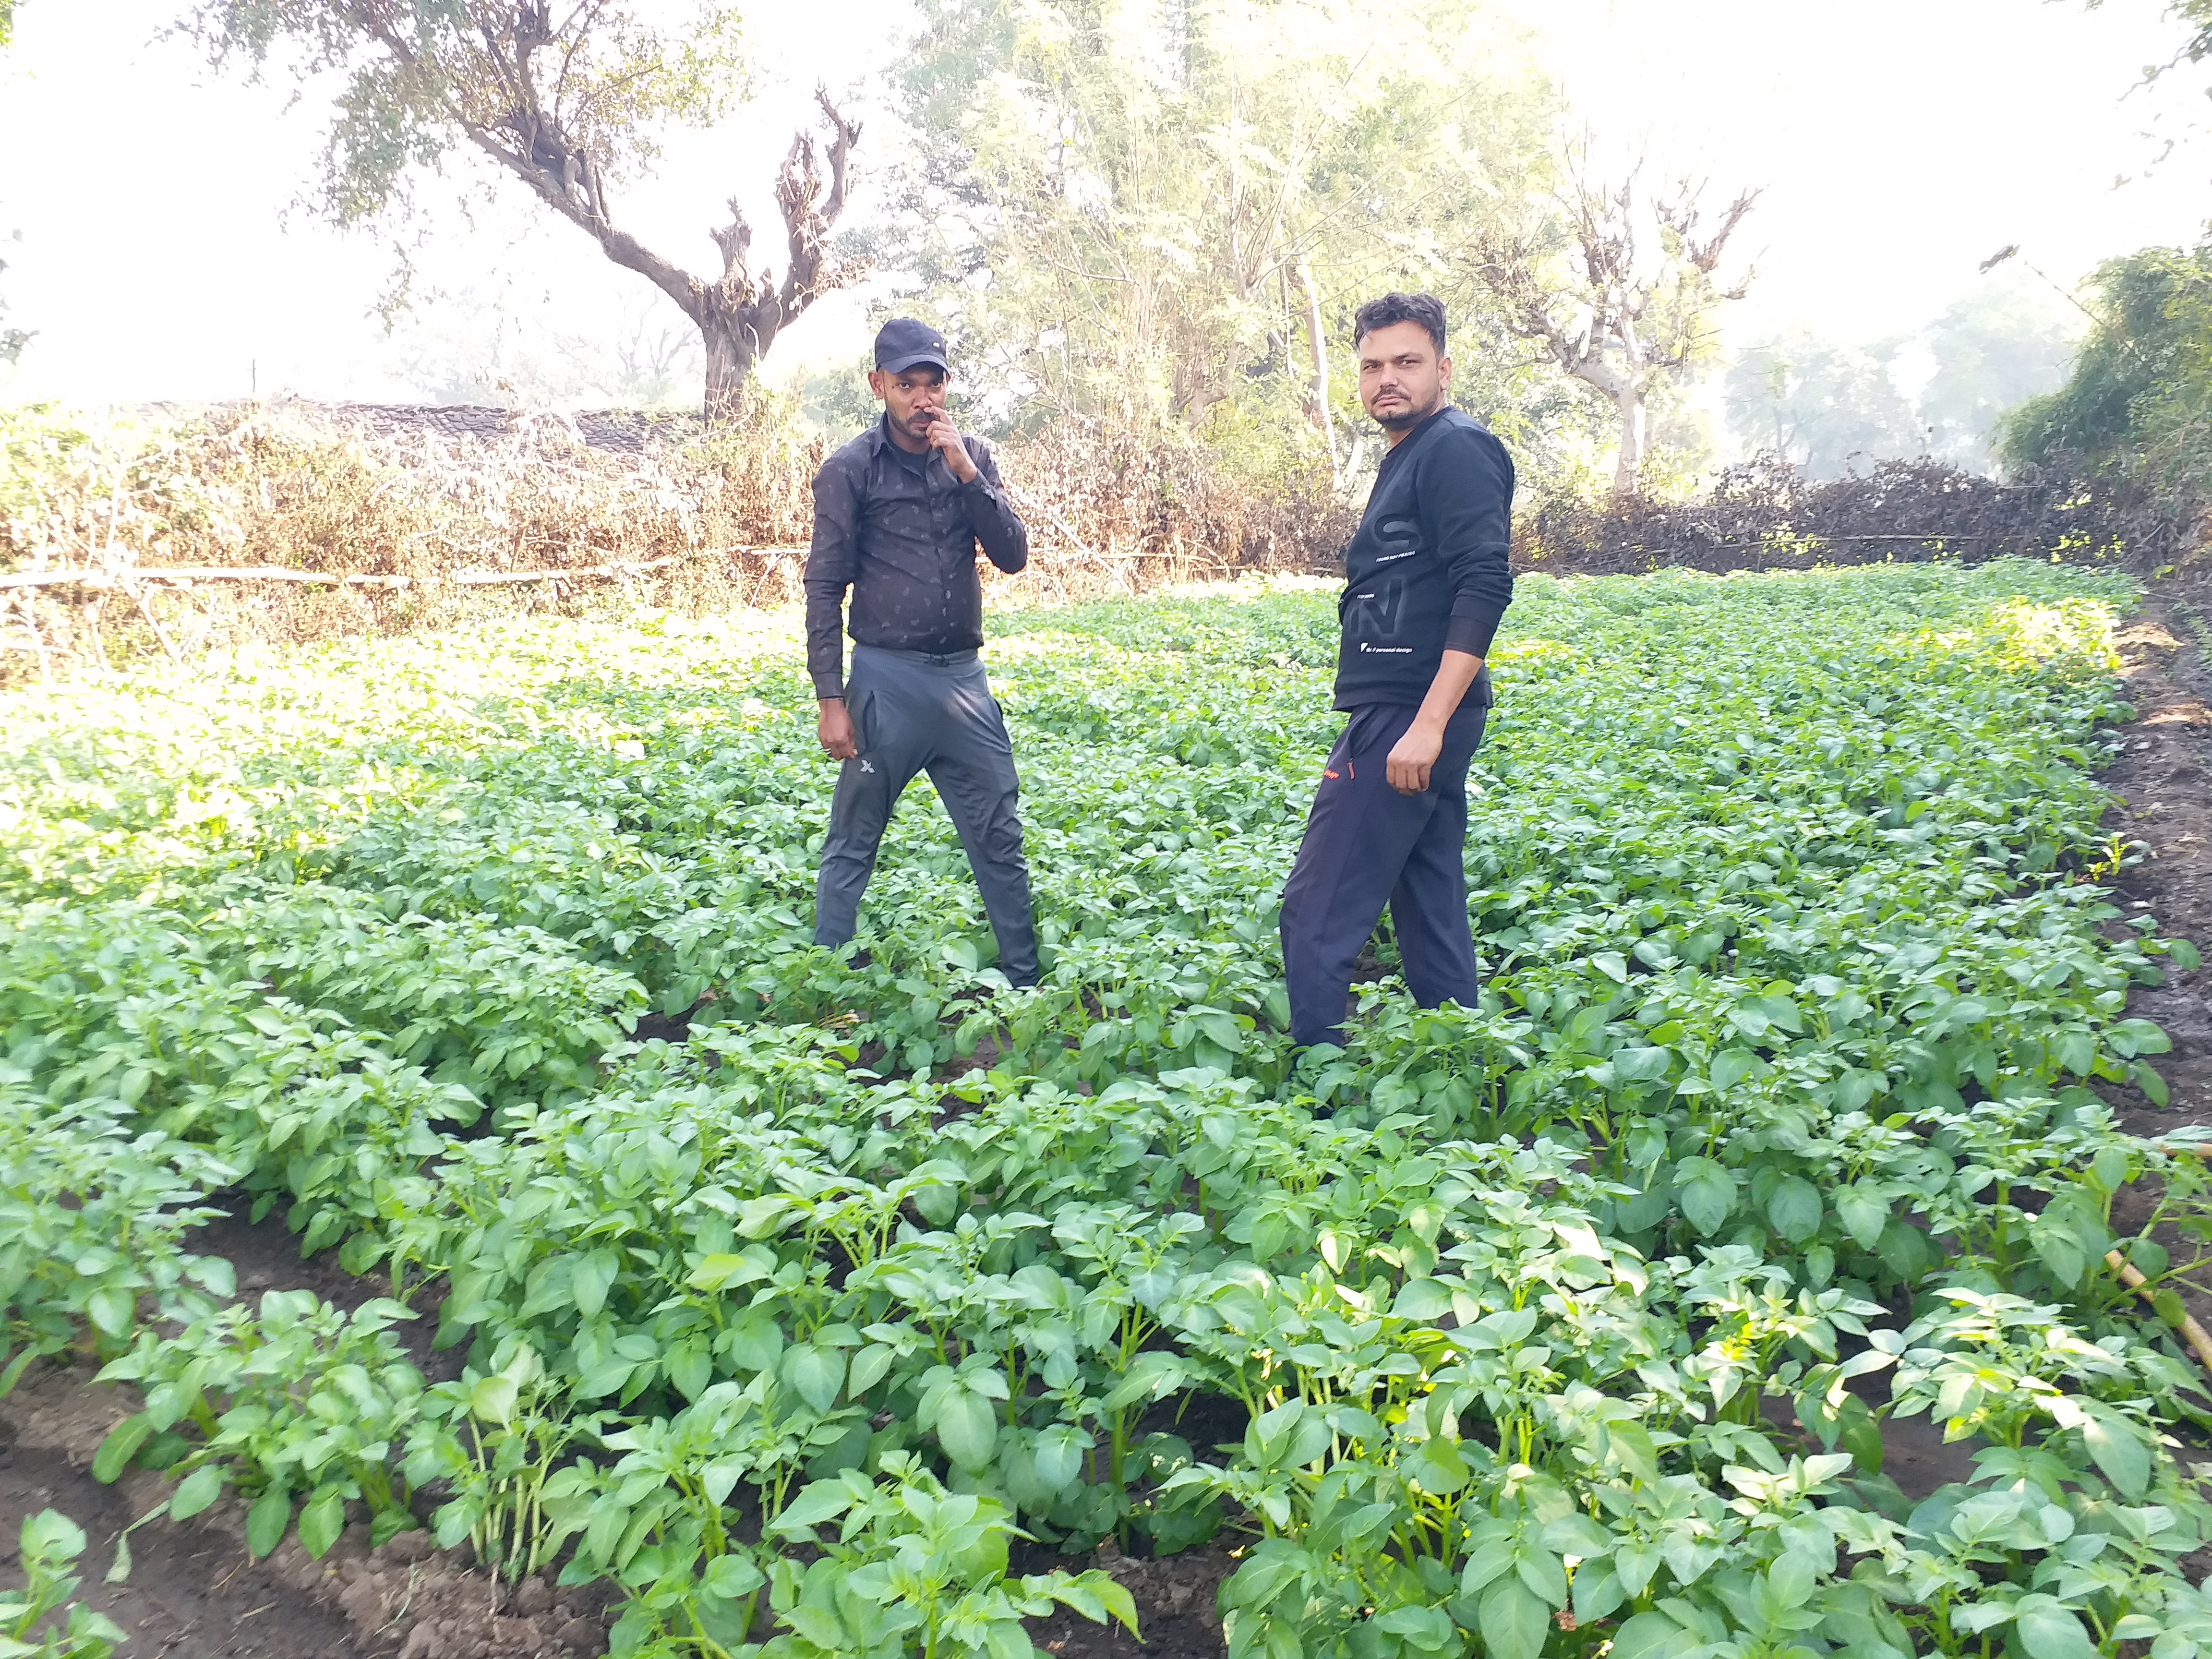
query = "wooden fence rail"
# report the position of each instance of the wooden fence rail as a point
(131, 576)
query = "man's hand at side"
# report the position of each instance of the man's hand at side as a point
(1412, 755)
(833, 724)
(946, 437)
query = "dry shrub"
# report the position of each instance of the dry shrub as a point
(1117, 516)
(1766, 515)
(416, 514)
(413, 521)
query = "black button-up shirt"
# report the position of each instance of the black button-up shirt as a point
(904, 539)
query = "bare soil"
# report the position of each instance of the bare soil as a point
(1174, 1596)
(193, 1589)
(2163, 778)
(267, 1258)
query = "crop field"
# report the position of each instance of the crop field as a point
(797, 1295)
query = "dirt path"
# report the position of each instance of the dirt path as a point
(2164, 779)
(193, 1592)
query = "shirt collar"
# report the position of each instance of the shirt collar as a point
(1426, 422)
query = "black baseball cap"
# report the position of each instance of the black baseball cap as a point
(904, 343)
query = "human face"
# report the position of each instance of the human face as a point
(1402, 379)
(914, 398)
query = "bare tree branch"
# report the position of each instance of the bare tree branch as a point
(1619, 318)
(560, 95)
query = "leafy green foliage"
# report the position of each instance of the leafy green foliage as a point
(93, 1218)
(300, 1401)
(1570, 1318)
(47, 1546)
(2138, 396)
(571, 104)
(1222, 181)
(429, 75)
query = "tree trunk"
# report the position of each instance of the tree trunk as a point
(1318, 343)
(1627, 470)
(733, 346)
(739, 315)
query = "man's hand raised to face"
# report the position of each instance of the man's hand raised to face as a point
(946, 437)
(833, 725)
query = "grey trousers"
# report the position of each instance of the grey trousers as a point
(911, 713)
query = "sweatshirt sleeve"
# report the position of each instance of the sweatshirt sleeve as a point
(830, 567)
(1006, 539)
(1467, 503)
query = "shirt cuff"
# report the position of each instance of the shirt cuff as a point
(1472, 633)
(829, 685)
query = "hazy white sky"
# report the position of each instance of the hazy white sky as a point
(1899, 142)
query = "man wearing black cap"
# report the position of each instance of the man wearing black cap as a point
(898, 514)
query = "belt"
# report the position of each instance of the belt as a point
(930, 659)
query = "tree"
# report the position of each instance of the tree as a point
(2139, 396)
(13, 340)
(2197, 16)
(567, 102)
(1153, 217)
(1820, 404)
(1999, 346)
(1617, 285)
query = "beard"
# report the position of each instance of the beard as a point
(1403, 416)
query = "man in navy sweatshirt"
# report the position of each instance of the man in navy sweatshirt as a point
(1427, 582)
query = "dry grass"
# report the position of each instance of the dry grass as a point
(415, 530)
(1108, 517)
(122, 537)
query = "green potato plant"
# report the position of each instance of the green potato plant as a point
(47, 1547)
(1562, 1324)
(299, 1404)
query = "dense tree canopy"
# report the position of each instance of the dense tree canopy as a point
(1159, 217)
(1993, 349)
(2141, 392)
(1615, 281)
(12, 340)
(1830, 407)
(1820, 404)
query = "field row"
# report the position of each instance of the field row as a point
(1568, 1320)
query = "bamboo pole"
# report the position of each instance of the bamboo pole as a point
(568, 573)
(2192, 1332)
(184, 574)
(126, 578)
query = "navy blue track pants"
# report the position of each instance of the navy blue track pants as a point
(1365, 846)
